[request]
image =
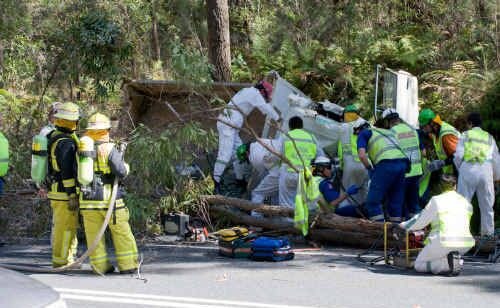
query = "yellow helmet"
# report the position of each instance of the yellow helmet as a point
(98, 121)
(68, 111)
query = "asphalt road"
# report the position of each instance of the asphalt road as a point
(180, 276)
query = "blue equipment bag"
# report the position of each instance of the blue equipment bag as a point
(271, 249)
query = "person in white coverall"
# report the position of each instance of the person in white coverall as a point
(478, 162)
(266, 167)
(309, 149)
(353, 171)
(245, 100)
(449, 215)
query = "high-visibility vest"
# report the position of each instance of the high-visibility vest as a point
(307, 194)
(383, 145)
(4, 155)
(452, 223)
(477, 145)
(446, 129)
(102, 168)
(408, 140)
(349, 148)
(424, 179)
(306, 145)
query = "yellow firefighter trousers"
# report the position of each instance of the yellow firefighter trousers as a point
(123, 239)
(64, 242)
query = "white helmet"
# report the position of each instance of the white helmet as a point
(390, 113)
(360, 122)
(320, 160)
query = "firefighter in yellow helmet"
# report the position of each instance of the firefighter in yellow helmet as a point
(62, 147)
(108, 163)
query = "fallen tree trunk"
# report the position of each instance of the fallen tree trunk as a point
(329, 227)
(326, 220)
(269, 210)
(336, 236)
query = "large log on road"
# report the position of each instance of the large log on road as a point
(329, 227)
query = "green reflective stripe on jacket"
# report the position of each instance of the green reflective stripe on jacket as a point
(306, 145)
(382, 145)
(446, 129)
(408, 140)
(477, 145)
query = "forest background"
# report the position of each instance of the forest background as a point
(83, 51)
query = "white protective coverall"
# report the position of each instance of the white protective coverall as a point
(474, 177)
(266, 167)
(353, 171)
(229, 139)
(449, 215)
(288, 181)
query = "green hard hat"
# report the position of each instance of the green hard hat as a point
(425, 116)
(241, 152)
(351, 108)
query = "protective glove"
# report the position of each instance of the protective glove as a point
(73, 203)
(397, 231)
(352, 190)
(435, 165)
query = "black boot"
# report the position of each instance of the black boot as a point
(455, 262)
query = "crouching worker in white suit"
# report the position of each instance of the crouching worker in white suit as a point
(234, 114)
(449, 215)
(265, 166)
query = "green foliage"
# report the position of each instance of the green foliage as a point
(22, 117)
(99, 45)
(490, 109)
(155, 174)
(189, 64)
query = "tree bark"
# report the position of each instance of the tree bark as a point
(219, 46)
(332, 235)
(154, 32)
(329, 227)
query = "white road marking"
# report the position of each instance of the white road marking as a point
(159, 300)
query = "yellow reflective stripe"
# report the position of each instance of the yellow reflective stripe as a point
(69, 183)
(99, 257)
(53, 159)
(60, 196)
(97, 205)
(4, 160)
(126, 256)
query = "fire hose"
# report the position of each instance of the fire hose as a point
(82, 258)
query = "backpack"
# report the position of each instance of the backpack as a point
(229, 235)
(271, 249)
(239, 248)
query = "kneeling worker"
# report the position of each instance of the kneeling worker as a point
(449, 215)
(108, 164)
(332, 198)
